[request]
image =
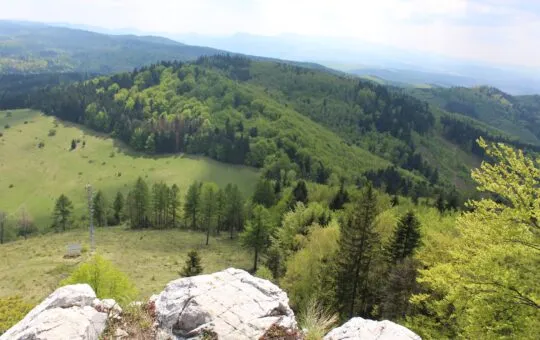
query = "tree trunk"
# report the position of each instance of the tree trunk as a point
(256, 260)
(207, 235)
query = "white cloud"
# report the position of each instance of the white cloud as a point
(495, 30)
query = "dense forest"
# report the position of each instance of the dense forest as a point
(356, 210)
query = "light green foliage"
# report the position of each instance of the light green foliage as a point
(39, 176)
(484, 284)
(256, 235)
(308, 266)
(106, 280)
(12, 310)
(208, 208)
(264, 273)
(316, 320)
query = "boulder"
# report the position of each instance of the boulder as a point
(363, 329)
(231, 304)
(66, 314)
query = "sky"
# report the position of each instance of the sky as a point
(497, 31)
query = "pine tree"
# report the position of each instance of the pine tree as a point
(208, 208)
(174, 204)
(264, 193)
(406, 238)
(358, 241)
(100, 209)
(62, 213)
(257, 233)
(118, 207)
(192, 204)
(193, 265)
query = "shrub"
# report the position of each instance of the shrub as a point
(25, 122)
(1, 134)
(11, 186)
(6, 126)
(52, 132)
(41, 145)
(264, 273)
(106, 280)
(8, 114)
(12, 310)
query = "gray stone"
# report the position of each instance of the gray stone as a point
(231, 303)
(363, 329)
(66, 314)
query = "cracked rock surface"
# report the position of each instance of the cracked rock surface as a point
(231, 303)
(65, 314)
(363, 329)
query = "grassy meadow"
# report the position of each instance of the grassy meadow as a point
(33, 268)
(32, 178)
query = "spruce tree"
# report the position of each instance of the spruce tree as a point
(264, 193)
(193, 265)
(118, 207)
(192, 204)
(406, 238)
(342, 197)
(300, 192)
(357, 244)
(62, 213)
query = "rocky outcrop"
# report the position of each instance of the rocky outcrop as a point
(68, 313)
(230, 304)
(362, 329)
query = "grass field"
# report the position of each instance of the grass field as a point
(34, 268)
(32, 178)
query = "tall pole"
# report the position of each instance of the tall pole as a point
(91, 215)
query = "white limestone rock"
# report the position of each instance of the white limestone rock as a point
(231, 303)
(363, 329)
(66, 314)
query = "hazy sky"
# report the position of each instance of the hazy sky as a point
(499, 31)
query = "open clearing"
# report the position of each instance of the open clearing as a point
(33, 268)
(32, 178)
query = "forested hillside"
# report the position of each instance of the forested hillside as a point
(517, 116)
(33, 47)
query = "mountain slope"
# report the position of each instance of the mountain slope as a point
(34, 47)
(517, 116)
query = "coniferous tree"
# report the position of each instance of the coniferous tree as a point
(440, 204)
(406, 238)
(341, 197)
(100, 209)
(357, 244)
(160, 204)
(300, 192)
(192, 204)
(118, 207)
(174, 204)
(395, 200)
(257, 233)
(138, 204)
(73, 144)
(208, 208)
(62, 213)
(264, 193)
(234, 214)
(220, 209)
(193, 265)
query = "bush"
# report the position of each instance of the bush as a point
(6, 126)
(25, 122)
(12, 310)
(264, 273)
(1, 134)
(8, 114)
(41, 145)
(52, 132)
(192, 266)
(106, 280)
